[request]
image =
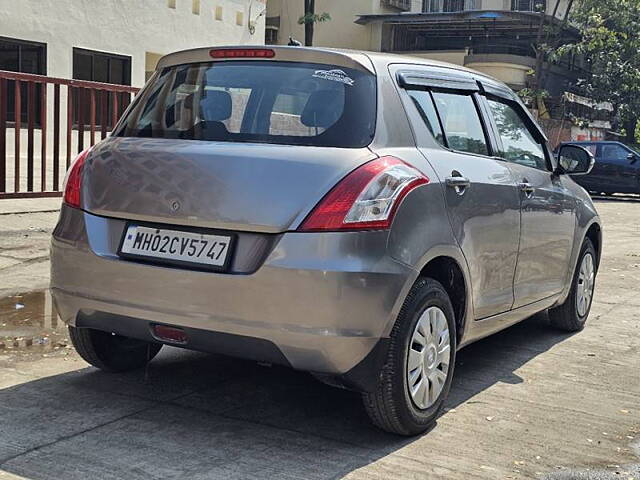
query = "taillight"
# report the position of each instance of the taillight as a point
(367, 198)
(242, 53)
(73, 180)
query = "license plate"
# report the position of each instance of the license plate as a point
(176, 246)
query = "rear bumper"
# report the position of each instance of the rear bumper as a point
(319, 302)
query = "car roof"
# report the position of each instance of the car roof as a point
(338, 56)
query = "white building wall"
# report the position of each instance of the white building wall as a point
(127, 27)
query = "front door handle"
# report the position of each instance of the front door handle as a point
(527, 188)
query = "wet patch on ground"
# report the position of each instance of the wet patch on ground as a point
(30, 326)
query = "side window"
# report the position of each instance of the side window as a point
(613, 152)
(424, 103)
(461, 122)
(518, 142)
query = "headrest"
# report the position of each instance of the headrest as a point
(215, 105)
(323, 109)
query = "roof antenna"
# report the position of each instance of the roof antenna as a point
(293, 42)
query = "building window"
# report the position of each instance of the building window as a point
(195, 7)
(528, 5)
(99, 67)
(26, 57)
(218, 12)
(447, 6)
(171, 3)
(404, 5)
(271, 36)
(239, 18)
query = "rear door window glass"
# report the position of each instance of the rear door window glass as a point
(424, 103)
(461, 122)
(519, 144)
(257, 101)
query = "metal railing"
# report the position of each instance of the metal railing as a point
(61, 117)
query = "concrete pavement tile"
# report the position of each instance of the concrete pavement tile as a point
(176, 443)
(42, 411)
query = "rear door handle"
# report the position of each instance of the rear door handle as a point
(458, 182)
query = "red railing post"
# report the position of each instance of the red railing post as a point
(17, 122)
(104, 114)
(114, 112)
(56, 136)
(81, 111)
(69, 123)
(31, 122)
(92, 113)
(43, 137)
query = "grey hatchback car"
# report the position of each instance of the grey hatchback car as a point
(360, 216)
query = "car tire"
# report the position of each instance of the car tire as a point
(572, 315)
(112, 353)
(392, 406)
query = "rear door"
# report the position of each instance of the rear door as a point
(481, 195)
(548, 209)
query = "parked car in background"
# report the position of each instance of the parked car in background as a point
(357, 215)
(617, 168)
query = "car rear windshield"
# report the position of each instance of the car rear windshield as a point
(257, 101)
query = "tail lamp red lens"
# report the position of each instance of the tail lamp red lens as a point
(73, 181)
(367, 198)
(242, 53)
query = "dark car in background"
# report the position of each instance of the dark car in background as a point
(617, 168)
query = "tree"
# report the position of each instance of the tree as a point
(610, 45)
(548, 39)
(309, 19)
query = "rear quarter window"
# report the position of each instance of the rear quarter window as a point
(257, 101)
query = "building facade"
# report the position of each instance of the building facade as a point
(495, 37)
(341, 31)
(118, 41)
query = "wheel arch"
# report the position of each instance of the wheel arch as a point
(448, 271)
(594, 233)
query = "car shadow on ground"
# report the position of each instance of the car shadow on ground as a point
(192, 415)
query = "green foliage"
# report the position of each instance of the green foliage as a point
(528, 95)
(314, 18)
(611, 47)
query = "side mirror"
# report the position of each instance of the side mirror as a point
(632, 157)
(575, 160)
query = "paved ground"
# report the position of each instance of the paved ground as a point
(526, 403)
(25, 230)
